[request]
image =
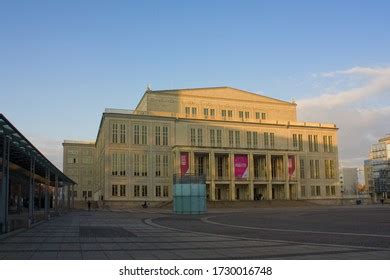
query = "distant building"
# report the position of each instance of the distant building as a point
(377, 168)
(349, 181)
(246, 145)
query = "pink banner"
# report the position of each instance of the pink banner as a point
(184, 163)
(291, 166)
(241, 166)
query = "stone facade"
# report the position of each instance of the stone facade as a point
(220, 132)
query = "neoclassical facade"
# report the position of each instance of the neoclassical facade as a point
(248, 147)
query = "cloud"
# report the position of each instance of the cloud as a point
(361, 112)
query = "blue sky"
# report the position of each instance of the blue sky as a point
(63, 62)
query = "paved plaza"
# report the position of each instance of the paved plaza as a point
(349, 232)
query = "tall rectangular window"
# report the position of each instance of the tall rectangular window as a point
(302, 168)
(237, 134)
(241, 114)
(263, 116)
(144, 165)
(136, 134)
(303, 191)
(230, 114)
(114, 190)
(122, 190)
(255, 140)
(219, 138)
(206, 112)
(157, 135)
(330, 143)
(114, 164)
(310, 138)
(300, 142)
(123, 134)
(316, 143)
(325, 142)
(114, 133)
(212, 137)
(327, 169)
(136, 165)
(223, 113)
(247, 115)
(333, 190)
(144, 135)
(327, 190)
(144, 190)
(257, 115)
(165, 136)
(295, 141)
(231, 139)
(318, 190)
(312, 190)
(158, 165)
(249, 139)
(212, 113)
(272, 139)
(194, 111)
(136, 191)
(312, 175)
(317, 169)
(200, 137)
(188, 110)
(332, 169)
(165, 166)
(193, 139)
(266, 140)
(158, 191)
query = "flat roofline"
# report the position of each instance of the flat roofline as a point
(78, 142)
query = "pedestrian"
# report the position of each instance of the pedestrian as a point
(382, 201)
(89, 205)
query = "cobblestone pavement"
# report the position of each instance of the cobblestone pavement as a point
(220, 234)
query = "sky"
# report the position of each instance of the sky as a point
(63, 62)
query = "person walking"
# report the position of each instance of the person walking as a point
(89, 205)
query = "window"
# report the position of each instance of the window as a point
(333, 190)
(122, 190)
(303, 191)
(330, 143)
(212, 113)
(310, 139)
(193, 143)
(325, 142)
(144, 190)
(263, 116)
(165, 191)
(136, 134)
(316, 143)
(295, 141)
(332, 169)
(247, 115)
(212, 137)
(158, 191)
(272, 139)
(144, 135)
(114, 190)
(123, 134)
(206, 112)
(241, 114)
(136, 191)
(194, 111)
(312, 175)
(118, 164)
(230, 114)
(114, 133)
(165, 166)
(302, 168)
(318, 190)
(89, 194)
(317, 169)
(165, 136)
(300, 142)
(249, 139)
(266, 143)
(158, 165)
(187, 111)
(144, 165)
(223, 113)
(237, 134)
(257, 115)
(157, 134)
(136, 165)
(200, 137)
(219, 138)
(255, 140)
(231, 140)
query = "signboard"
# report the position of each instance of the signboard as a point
(291, 167)
(184, 163)
(241, 169)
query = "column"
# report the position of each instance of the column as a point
(5, 185)
(251, 176)
(232, 185)
(286, 178)
(192, 162)
(31, 192)
(269, 176)
(47, 184)
(212, 175)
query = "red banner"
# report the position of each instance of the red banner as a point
(291, 166)
(184, 163)
(241, 166)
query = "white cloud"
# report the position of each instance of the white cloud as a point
(361, 112)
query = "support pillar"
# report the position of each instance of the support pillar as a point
(5, 185)
(251, 176)
(212, 175)
(47, 184)
(269, 191)
(232, 186)
(31, 192)
(286, 178)
(269, 176)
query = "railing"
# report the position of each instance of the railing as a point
(260, 178)
(189, 178)
(222, 178)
